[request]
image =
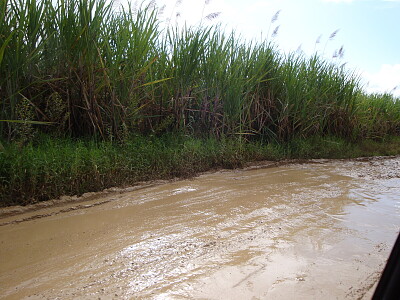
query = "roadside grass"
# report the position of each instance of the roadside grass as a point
(334, 147)
(55, 167)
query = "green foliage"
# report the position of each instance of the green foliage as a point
(56, 167)
(92, 70)
(320, 147)
(378, 115)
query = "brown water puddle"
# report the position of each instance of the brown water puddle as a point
(321, 230)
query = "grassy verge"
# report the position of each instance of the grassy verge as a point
(55, 167)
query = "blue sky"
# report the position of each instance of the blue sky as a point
(369, 30)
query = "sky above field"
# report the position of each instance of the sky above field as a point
(368, 30)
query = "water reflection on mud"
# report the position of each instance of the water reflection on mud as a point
(320, 230)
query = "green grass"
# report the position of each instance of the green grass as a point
(334, 147)
(65, 167)
(56, 167)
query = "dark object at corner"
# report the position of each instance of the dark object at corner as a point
(389, 285)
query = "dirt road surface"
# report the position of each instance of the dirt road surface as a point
(317, 230)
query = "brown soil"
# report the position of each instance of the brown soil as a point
(316, 230)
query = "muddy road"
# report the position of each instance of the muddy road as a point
(318, 230)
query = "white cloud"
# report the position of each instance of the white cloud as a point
(387, 79)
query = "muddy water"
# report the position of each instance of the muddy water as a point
(320, 230)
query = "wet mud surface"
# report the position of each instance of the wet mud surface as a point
(317, 230)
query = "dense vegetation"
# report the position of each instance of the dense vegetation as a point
(79, 69)
(53, 167)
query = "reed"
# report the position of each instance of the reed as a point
(91, 70)
(378, 115)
